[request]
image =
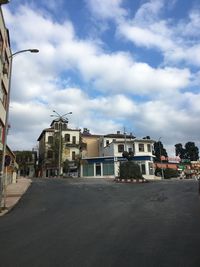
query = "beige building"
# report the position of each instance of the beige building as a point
(5, 69)
(59, 150)
(90, 144)
(5, 53)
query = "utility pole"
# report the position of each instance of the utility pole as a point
(125, 141)
(161, 158)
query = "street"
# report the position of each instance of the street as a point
(99, 223)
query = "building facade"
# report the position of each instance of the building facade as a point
(111, 147)
(27, 162)
(59, 150)
(5, 68)
(89, 144)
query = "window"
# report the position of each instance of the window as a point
(1, 43)
(64, 126)
(149, 147)
(88, 169)
(3, 94)
(108, 168)
(73, 139)
(6, 64)
(107, 142)
(98, 169)
(73, 155)
(130, 149)
(67, 137)
(120, 148)
(141, 147)
(56, 126)
(49, 154)
(50, 139)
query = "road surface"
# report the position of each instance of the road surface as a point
(98, 223)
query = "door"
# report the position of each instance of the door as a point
(98, 169)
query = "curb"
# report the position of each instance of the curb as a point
(131, 181)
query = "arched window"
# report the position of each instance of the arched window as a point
(56, 126)
(64, 126)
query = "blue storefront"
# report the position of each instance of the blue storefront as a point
(108, 167)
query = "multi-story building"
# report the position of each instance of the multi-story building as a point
(27, 163)
(5, 67)
(111, 147)
(59, 150)
(89, 144)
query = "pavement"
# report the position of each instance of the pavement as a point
(13, 194)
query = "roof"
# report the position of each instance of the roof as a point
(52, 130)
(8, 150)
(144, 140)
(59, 120)
(90, 135)
(44, 131)
(119, 136)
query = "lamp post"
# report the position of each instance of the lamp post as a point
(5, 132)
(161, 157)
(60, 119)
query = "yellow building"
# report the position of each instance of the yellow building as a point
(90, 144)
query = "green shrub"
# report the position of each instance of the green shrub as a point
(130, 170)
(168, 173)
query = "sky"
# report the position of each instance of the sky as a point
(114, 64)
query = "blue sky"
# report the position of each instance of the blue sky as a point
(113, 63)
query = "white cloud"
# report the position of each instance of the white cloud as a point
(41, 83)
(107, 9)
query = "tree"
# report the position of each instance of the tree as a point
(190, 152)
(54, 147)
(128, 155)
(180, 151)
(159, 151)
(168, 173)
(130, 170)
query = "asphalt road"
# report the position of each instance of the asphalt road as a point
(99, 223)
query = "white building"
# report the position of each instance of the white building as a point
(59, 143)
(111, 148)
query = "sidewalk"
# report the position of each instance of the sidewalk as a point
(14, 192)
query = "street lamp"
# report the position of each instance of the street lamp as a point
(5, 132)
(60, 119)
(161, 157)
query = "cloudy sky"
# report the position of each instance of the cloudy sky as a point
(113, 63)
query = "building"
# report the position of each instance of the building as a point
(111, 147)
(5, 68)
(89, 144)
(11, 167)
(59, 150)
(27, 162)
